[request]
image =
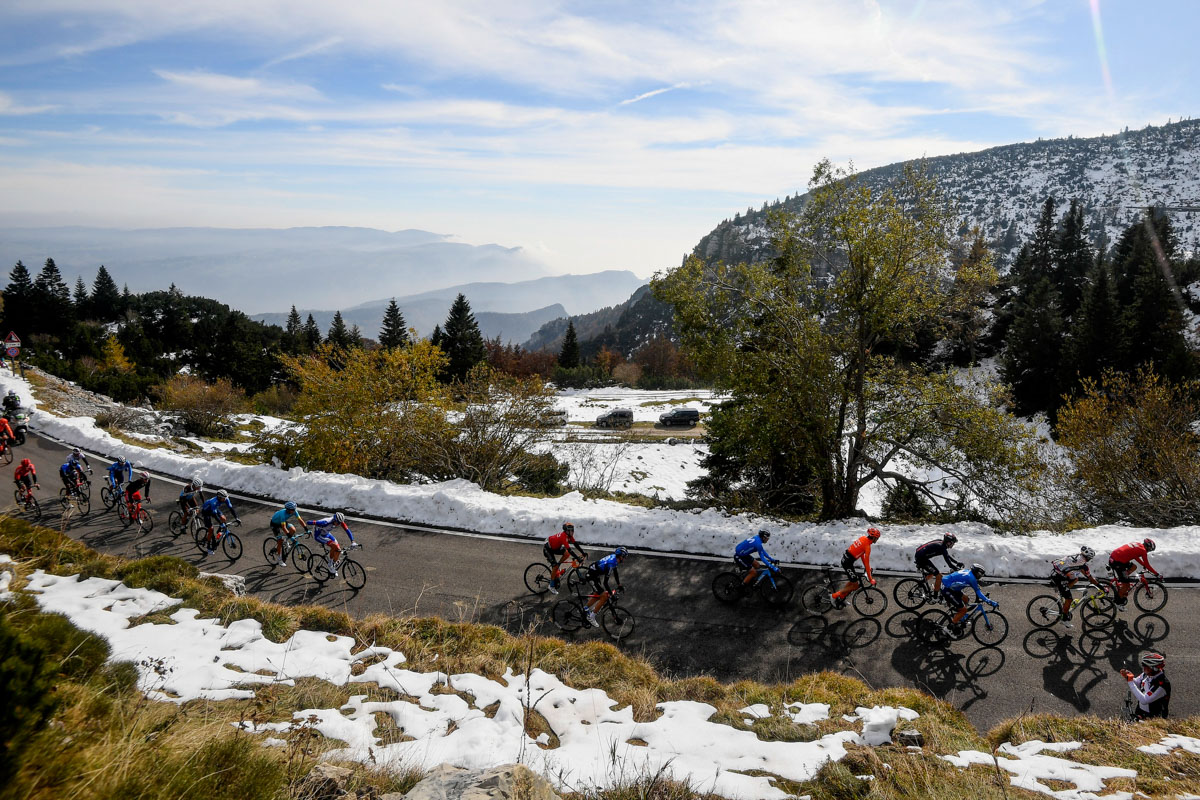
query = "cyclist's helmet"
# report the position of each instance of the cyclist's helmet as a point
(339, 518)
(76, 452)
(978, 571)
(25, 462)
(1154, 661)
(199, 484)
(873, 534)
(12, 392)
(120, 461)
(949, 539)
(569, 527)
(144, 475)
(621, 552)
(1149, 544)
(222, 494)
(764, 535)
(1087, 552)
(289, 506)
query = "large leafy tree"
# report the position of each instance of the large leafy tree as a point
(817, 412)
(461, 339)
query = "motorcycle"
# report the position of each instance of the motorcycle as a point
(18, 418)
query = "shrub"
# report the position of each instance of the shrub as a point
(902, 503)
(276, 401)
(541, 473)
(204, 408)
(26, 684)
(117, 418)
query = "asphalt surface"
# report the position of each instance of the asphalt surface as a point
(681, 628)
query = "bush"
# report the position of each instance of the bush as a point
(903, 504)
(117, 418)
(76, 653)
(26, 684)
(541, 473)
(276, 401)
(204, 408)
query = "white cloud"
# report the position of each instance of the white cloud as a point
(231, 85)
(11, 108)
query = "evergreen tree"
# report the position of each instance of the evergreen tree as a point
(312, 334)
(80, 298)
(1094, 343)
(293, 336)
(17, 297)
(51, 301)
(339, 334)
(106, 299)
(568, 358)
(1151, 315)
(462, 341)
(1030, 362)
(437, 336)
(356, 337)
(1072, 260)
(394, 332)
(1040, 262)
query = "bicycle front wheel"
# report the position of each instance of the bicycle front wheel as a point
(1098, 611)
(34, 508)
(145, 520)
(108, 498)
(576, 579)
(231, 545)
(1150, 597)
(870, 601)
(776, 595)
(537, 577)
(567, 615)
(727, 587)
(817, 599)
(123, 513)
(990, 629)
(175, 524)
(355, 575)
(85, 504)
(302, 558)
(1044, 610)
(617, 622)
(911, 593)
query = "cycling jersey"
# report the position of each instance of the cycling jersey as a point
(750, 547)
(603, 569)
(133, 488)
(1129, 553)
(281, 517)
(560, 541)
(23, 471)
(936, 549)
(861, 548)
(70, 468)
(75, 459)
(212, 506)
(119, 473)
(321, 532)
(6, 429)
(1153, 693)
(960, 581)
(1072, 564)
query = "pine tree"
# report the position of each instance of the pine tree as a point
(356, 337)
(1072, 260)
(568, 357)
(106, 299)
(1038, 260)
(17, 297)
(51, 301)
(80, 298)
(393, 334)
(293, 333)
(1030, 362)
(1151, 317)
(462, 341)
(339, 335)
(312, 334)
(1094, 343)
(437, 336)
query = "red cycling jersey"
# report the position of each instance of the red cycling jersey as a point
(1134, 551)
(6, 429)
(23, 470)
(561, 540)
(861, 548)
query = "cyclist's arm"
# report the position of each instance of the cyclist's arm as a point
(1144, 560)
(614, 574)
(866, 559)
(349, 533)
(951, 564)
(1143, 697)
(576, 548)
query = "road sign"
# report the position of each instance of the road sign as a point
(12, 340)
(12, 352)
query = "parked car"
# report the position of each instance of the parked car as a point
(680, 416)
(617, 418)
(553, 418)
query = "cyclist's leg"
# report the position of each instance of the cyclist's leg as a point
(277, 533)
(746, 563)
(335, 550)
(854, 577)
(957, 602)
(1121, 580)
(1063, 585)
(593, 603)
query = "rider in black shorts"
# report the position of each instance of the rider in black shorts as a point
(937, 549)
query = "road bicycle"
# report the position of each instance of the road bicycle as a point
(26, 501)
(988, 626)
(111, 495)
(1149, 595)
(912, 593)
(537, 575)
(6, 453)
(78, 499)
(227, 540)
(1095, 606)
(868, 600)
(570, 614)
(132, 511)
(181, 522)
(351, 571)
(773, 587)
(293, 549)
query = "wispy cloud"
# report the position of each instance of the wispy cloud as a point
(653, 93)
(305, 52)
(11, 108)
(232, 85)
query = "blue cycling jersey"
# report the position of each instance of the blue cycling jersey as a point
(964, 579)
(283, 515)
(752, 545)
(321, 527)
(120, 473)
(606, 564)
(70, 467)
(213, 505)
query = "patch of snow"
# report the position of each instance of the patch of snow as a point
(1172, 742)
(806, 713)
(1029, 767)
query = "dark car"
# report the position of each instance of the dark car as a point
(680, 416)
(617, 418)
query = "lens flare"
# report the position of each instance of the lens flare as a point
(1101, 53)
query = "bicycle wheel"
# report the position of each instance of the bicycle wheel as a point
(7, 455)
(576, 579)
(175, 524)
(85, 504)
(931, 628)
(617, 622)
(108, 498)
(1150, 597)
(302, 558)
(567, 615)
(200, 536)
(145, 520)
(990, 629)
(355, 575)
(64, 498)
(123, 513)
(34, 508)
(816, 599)
(269, 555)
(319, 567)
(231, 545)
(870, 601)
(727, 587)
(911, 593)
(776, 595)
(537, 577)
(1044, 610)
(1098, 612)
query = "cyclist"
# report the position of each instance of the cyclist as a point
(280, 526)
(26, 474)
(1122, 562)
(600, 572)
(558, 548)
(11, 401)
(133, 492)
(927, 552)
(211, 513)
(745, 552)
(861, 548)
(954, 588)
(1066, 572)
(1151, 689)
(6, 434)
(192, 496)
(322, 533)
(72, 476)
(119, 472)
(78, 456)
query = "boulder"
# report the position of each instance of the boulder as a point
(234, 583)
(511, 782)
(325, 782)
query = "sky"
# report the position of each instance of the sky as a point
(596, 135)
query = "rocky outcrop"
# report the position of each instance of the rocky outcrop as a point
(512, 782)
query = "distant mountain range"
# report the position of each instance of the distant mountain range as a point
(271, 268)
(512, 311)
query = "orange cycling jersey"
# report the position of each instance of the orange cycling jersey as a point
(6, 429)
(560, 540)
(23, 470)
(861, 548)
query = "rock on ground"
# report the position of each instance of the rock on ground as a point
(512, 782)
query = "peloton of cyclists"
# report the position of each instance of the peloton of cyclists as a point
(211, 513)
(323, 533)
(938, 548)
(745, 552)
(954, 588)
(600, 573)
(557, 549)
(281, 526)
(1123, 561)
(1066, 572)
(859, 549)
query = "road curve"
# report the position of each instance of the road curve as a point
(681, 627)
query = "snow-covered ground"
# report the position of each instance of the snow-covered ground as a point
(658, 470)
(461, 504)
(599, 744)
(584, 405)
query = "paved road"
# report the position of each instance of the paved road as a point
(681, 628)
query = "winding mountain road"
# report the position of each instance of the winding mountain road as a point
(681, 628)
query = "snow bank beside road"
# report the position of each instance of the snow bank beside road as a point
(460, 504)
